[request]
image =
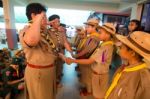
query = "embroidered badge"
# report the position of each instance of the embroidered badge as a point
(103, 56)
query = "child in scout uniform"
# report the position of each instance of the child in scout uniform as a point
(77, 39)
(40, 52)
(100, 61)
(88, 48)
(13, 78)
(132, 81)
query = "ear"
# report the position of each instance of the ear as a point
(33, 15)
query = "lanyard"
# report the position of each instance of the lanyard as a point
(118, 76)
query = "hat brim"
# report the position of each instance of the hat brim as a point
(94, 24)
(124, 40)
(108, 30)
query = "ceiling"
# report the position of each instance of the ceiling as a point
(24, 2)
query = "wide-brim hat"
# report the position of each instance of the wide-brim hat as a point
(139, 42)
(109, 27)
(92, 21)
(82, 31)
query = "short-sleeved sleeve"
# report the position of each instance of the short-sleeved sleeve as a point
(21, 37)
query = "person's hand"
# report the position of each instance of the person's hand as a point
(39, 17)
(69, 61)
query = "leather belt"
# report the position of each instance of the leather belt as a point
(39, 67)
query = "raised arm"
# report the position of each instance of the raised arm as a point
(32, 35)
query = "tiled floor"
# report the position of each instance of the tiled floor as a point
(70, 89)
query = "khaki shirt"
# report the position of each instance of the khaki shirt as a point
(58, 38)
(38, 55)
(102, 57)
(88, 48)
(132, 85)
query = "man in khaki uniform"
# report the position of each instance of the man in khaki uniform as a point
(40, 53)
(88, 48)
(60, 41)
(132, 81)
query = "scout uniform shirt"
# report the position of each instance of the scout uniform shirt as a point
(130, 82)
(103, 57)
(100, 69)
(81, 44)
(58, 38)
(90, 45)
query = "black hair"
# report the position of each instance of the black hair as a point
(138, 23)
(63, 25)
(52, 17)
(35, 8)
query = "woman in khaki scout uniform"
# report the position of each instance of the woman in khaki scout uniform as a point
(100, 60)
(40, 51)
(88, 48)
(60, 41)
(132, 81)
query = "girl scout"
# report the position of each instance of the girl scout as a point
(100, 60)
(132, 81)
(89, 45)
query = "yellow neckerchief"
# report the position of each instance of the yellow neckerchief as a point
(94, 34)
(118, 75)
(82, 43)
(103, 44)
(107, 43)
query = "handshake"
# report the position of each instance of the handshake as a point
(67, 60)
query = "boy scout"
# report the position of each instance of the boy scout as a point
(88, 48)
(40, 53)
(132, 81)
(60, 41)
(100, 60)
(13, 78)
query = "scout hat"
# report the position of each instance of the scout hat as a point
(109, 27)
(15, 61)
(139, 42)
(92, 21)
(80, 30)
